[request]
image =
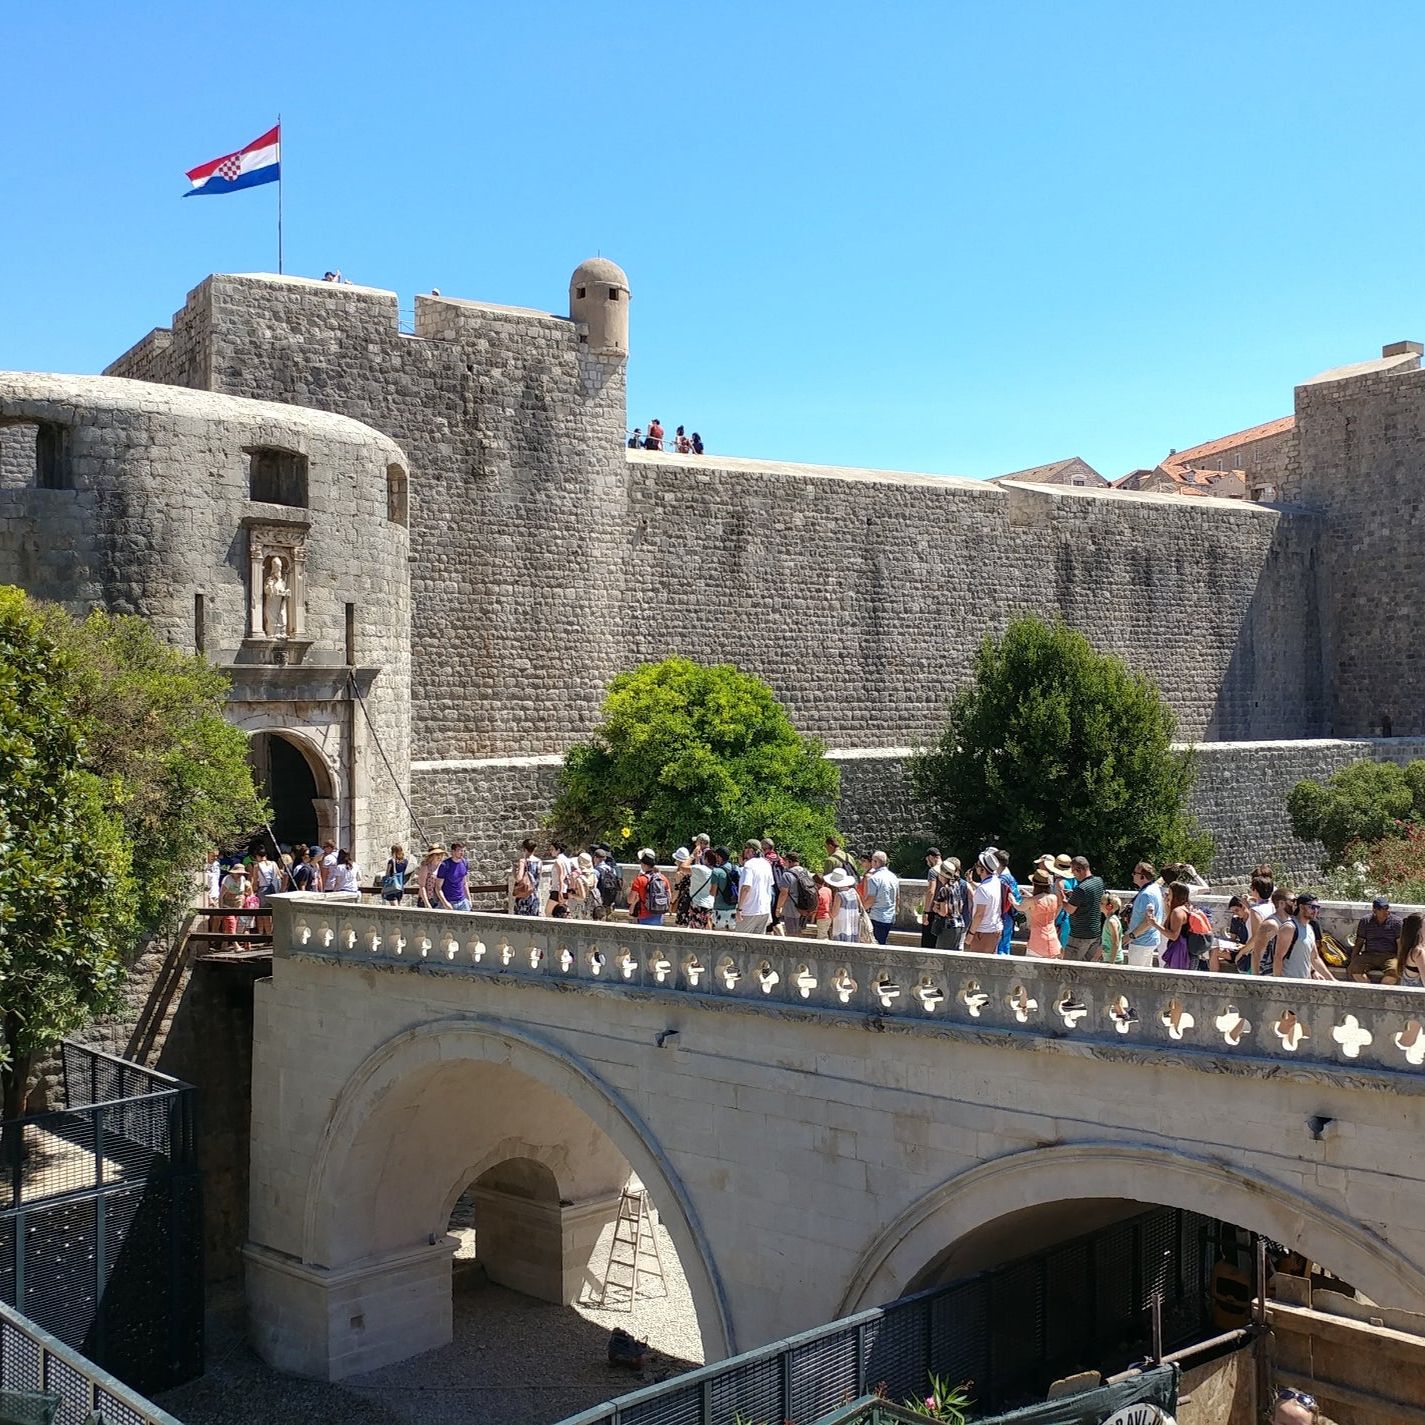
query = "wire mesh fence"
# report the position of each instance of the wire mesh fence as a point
(1009, 1331)
(101, 1241)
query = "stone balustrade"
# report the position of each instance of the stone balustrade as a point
(1355, 1027)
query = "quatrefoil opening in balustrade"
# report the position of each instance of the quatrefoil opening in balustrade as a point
(373, 941)
(596, 962)
(929, 994)
(767, 977)
(805, 981)
(974, 998)
(536, 956)
(303, 932)
(566, 959)
(506, 952)
(1232, 1026)
(1411, 1042)
(694, 969)
(627, 965)
(478, 951)
(844, 985)
(661, 966)
(1176, 1019)
(1123, 1015)
(885, 989)
(1290, 1030)
(1022, 1003)
(728, 972)
(1351, 1036)
(348, 937)
(1070, 1010)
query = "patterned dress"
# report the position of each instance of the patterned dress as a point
(529, 866)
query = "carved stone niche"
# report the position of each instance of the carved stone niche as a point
(276, 581)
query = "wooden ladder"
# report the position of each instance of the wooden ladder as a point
(640, 1257)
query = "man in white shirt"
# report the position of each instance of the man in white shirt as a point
(754, 894)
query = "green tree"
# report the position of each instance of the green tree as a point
(117, 772)
(1363, 802)
(176, 770)
(683, 748)
(1057, 747)
(66, 887)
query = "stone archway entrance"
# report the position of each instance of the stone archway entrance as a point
(298, 786)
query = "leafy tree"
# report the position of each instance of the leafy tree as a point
(1363, 802)
(1056, 747)
(684, 748)
(117, 771)
(176, 770)
(66, 887)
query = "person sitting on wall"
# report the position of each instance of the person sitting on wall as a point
(635, 441)
(655, 435)
(1375, 950)
(697, 444)
(681, 443)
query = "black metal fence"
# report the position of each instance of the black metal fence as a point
(101, 1233)
(1084, 1304)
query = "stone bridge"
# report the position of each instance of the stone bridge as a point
(821, 1127)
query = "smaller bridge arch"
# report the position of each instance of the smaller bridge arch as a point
(924, 1237)
(431, 1110)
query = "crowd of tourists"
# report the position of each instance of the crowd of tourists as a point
(682, 442)
(1063, 911)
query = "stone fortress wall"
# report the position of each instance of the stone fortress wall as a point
(144, 505)
(545, 557)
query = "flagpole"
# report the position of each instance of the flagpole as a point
(279, 195)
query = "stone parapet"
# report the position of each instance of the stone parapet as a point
(1251, 1025)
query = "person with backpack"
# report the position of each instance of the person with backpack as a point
(1010, 898)
(796, 895)
(608, 882)
(266, 878)
(393, 882)
(726, 882)
(650, 897)
(524, 879)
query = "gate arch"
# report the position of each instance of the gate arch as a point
(1153, 1176)
(355, 1128)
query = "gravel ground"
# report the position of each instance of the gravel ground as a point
(513, 1360)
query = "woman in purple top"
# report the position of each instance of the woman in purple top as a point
(450, 879)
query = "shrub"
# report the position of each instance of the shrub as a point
(683, 748)
(1363, 802)
(1057, 747)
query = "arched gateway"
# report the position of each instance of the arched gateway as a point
(821, 1127)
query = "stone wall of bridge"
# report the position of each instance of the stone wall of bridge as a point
(816, 1124)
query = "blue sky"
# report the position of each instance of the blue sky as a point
(964, 238)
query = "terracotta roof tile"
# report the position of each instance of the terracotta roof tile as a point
(1195, 456)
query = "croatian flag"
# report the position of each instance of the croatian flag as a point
(259, 162)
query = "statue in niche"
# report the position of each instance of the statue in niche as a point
(274, 601)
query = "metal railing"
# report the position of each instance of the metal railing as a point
(101, 1239)
(34, 1362)
(1010, 1331)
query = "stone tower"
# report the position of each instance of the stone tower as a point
(598, 302)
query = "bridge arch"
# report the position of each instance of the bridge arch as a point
(926, 1231)
(356, 1210)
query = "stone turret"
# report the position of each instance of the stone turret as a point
(598, 300)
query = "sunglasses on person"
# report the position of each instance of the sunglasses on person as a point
(1286, 1392)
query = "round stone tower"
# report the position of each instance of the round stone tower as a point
(598, 300)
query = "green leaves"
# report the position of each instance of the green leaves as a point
(117, 771)
(1056, 747)
(684, 748)
(1365, 801)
